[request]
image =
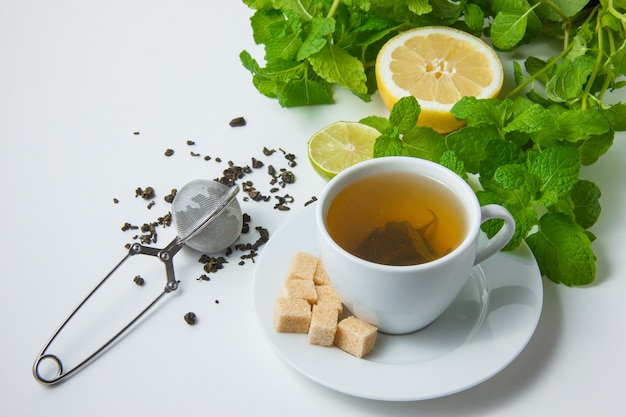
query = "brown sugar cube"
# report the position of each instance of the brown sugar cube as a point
(298, 288)
(355, 336)
(323, 325)
(302, 266)
(320, 277)
(326, 295)
(292, 315)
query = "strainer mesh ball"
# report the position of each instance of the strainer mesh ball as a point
(207, 215)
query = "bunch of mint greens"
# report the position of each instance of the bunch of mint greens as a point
(523, 151)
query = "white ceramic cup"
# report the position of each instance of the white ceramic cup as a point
(403, 299)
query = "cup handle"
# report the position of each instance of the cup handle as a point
(500, 239)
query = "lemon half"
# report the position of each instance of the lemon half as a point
(437, 65)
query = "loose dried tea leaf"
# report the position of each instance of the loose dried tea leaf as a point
(287, 177)
(169, 152)
(237, 121)
(127, 226)
(166, 220)
(190, 318)
(170, 197)
(283, 201)
(292, 159)
(256, 163)
(146, 194)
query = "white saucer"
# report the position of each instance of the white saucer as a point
(484, 330)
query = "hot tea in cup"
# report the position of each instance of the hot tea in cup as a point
(398, 237)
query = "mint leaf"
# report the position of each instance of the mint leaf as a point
(594, 147)
(534, 66)
(533, 119)
(444, 9)
(470, 143)
(305, 9)
(571, 126)
(423, 142)
(450, 161)
(514, 176)
(497, 153)
(557, 170)
(566, 7)
(335, 65)
(387, 145)
(315, 40)
(563, 250)
(586, 200)
(483, 112)
(581, 43)
(569, 79)
(303, 93)
(509, 28)
(474, 17)
(262, 22)
(419, 7)
(377, 122)
(617, 116)
(404, 114)
(284, 41)
(261, 80)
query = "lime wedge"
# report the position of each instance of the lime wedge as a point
(339, 146)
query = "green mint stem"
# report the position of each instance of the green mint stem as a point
(596, 67)
(536, 75)
(615, 13)
(333, 9)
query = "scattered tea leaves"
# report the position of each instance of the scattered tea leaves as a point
(212, 264)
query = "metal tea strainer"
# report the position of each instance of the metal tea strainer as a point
(208, 219)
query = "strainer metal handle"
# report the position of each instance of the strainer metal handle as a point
(166, 256)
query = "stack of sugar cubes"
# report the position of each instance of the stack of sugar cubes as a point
(307, 303)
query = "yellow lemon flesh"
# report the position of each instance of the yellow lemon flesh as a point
(438, 66)
(339, 146)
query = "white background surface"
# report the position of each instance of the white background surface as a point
(76, 80)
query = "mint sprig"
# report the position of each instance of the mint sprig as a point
(523, 151)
